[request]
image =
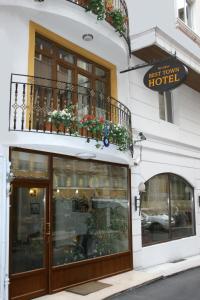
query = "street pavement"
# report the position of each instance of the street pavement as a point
(183, 286)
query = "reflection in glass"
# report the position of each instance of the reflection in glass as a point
(167, 209)
(84, 65)
(181, 195)
(66, 56)
(64, 77)
(155, 210)
(84, 99)
(29, 165)
(100, 98)
(27, 229)
(91, 216)
(100, 72)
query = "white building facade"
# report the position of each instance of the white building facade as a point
(67, 210)
(169, 158)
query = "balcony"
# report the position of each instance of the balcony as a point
(115, 12)
(54, 107)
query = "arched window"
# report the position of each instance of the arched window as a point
(167, 209)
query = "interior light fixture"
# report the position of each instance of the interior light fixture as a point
(85, 155)
(33, 192)
(87, 37)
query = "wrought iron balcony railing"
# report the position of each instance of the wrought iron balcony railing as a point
(115, 12)
(39, 105)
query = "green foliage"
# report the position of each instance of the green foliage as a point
(118, 20)
(97, 7)
(92, 124)
(106, 10)
(119, 135)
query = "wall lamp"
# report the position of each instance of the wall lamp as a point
(138, 202)
(140, 137)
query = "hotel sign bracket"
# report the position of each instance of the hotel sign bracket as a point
(153, 62)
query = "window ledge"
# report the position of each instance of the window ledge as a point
(188, 31)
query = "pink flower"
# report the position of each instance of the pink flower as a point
(101, 119)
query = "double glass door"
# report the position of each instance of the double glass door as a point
(30, 234)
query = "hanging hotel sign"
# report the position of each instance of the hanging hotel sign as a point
(165, 76)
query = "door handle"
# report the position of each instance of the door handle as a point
(48, 228)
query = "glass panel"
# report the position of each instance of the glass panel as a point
(43, 68)
(64, 77)
(84, 99)
(29, 165)
(28, 229)
(84, 65)
(42, 91)
(168, 97)
(181, 195)
(161, 106)
(66, 56)
(100, 98)
(155, 210)
(99, 72)
(42, 44)
(90, 210)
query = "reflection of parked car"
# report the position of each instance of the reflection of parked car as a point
(156, 222)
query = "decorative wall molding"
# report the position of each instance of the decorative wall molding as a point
(188, 31)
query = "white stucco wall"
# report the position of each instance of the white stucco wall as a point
(170, 148)
(145, 15)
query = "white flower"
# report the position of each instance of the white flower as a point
(54, 113)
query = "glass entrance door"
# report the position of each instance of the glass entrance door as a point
(30, 232)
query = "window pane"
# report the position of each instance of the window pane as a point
(181, 195)
(42, 44)
(84, 65)
(100, 98)
(161, 106)
(28, 229)
(43, 68)
(84, 97)
(90, 210)
(99, 72)
(155, 211)
(168, 100)
(29, 165)
(68, 57)
(64, 77)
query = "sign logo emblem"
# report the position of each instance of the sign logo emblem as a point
(165, 76)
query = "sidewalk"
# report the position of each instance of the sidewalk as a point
(130, 279)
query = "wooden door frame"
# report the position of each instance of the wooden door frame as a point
(17, 183)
